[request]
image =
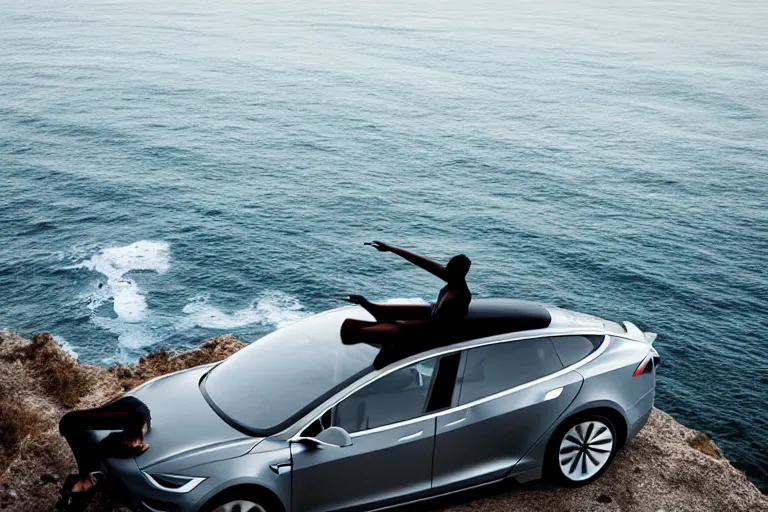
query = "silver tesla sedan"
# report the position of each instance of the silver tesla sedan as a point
(299, 421)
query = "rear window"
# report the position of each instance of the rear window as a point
(494, 368)
(572, 349)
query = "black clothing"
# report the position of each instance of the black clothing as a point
(452, 303)
(128, 414)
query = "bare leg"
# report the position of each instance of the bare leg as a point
(395, 312)
(85, 483)
(361, 331)
(380, 333)
(392, 312)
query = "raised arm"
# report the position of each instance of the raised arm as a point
(430, 266)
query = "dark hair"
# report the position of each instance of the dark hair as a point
(458, 267)
(139, 416)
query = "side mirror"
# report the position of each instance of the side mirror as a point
(332, 437)
(336, 436)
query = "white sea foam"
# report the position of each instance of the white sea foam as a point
(114, 263)
(64, 344)
(272, 308)
(130, 335)
(136, 327)
(406, 300)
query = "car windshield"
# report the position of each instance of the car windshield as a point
(271, 383)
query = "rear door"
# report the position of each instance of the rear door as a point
(509, 394)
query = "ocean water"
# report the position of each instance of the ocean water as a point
(173, 170)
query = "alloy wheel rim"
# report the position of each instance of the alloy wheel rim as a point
(240, 506)
(585, 450)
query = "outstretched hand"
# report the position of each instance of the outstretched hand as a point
(381, 246)
(356, 299)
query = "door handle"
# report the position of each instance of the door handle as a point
(551, 395)
(455, 422)
(280, 468)
(409, 437)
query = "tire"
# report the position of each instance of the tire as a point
(239, 505)
(243, 500)
(580, 450)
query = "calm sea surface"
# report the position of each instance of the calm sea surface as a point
(174, 170)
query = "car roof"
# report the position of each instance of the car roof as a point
(485, 318)
(497, 316)
(489, 317)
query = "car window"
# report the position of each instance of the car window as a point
(398, 396)
(494, 368)
(272, 382)
(572, 349)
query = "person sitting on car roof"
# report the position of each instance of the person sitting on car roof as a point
(400, 322)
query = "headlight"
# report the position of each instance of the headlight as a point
(173, 483)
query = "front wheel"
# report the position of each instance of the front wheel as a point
(244, 498)
(240, 506)
(581, 449)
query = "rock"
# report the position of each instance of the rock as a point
(12, 494)
(604, 498)
(48, 478)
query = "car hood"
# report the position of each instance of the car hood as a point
(185, 430)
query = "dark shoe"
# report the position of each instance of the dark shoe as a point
(73, 501)
(70, 501)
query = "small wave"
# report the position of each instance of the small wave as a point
(131, 336)
(272, 308)
(406, 300)
(65, 345)
(114, 263)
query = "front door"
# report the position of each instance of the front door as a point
(379, 466)
(391, 452)
(485, 439)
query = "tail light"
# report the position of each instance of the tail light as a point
(646, 366)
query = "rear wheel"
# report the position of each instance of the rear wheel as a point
(581, 449)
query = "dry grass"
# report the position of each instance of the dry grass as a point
(164, 361)
(58, 373)
(701, 442)
(19, 425)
